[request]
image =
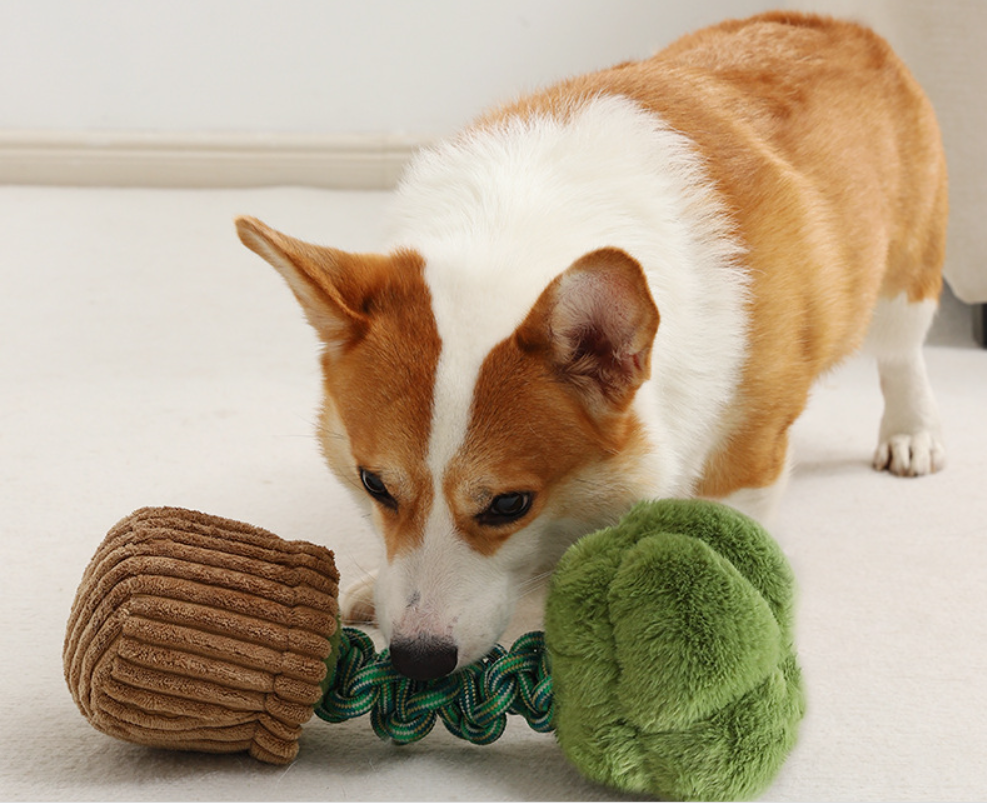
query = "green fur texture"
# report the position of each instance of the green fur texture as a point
(673, 661)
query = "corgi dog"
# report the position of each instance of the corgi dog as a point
(619, 288)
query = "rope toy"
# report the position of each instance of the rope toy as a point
(472, 704)
(667, 665)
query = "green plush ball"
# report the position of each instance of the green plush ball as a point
(672, 653)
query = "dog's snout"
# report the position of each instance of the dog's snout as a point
(424, 657)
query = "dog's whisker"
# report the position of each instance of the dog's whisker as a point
(533, 584)
(364, 572)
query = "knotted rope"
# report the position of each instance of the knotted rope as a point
(473, 704)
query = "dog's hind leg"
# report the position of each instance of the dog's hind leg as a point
(910, 441)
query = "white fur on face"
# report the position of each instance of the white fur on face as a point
(497, 215)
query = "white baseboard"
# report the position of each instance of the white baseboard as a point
(129, 159)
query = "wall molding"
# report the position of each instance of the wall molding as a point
(130, 159)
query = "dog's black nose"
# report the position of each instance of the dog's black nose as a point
(424, 658)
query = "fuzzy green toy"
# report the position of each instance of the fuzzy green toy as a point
(672, 657)
(666, 666)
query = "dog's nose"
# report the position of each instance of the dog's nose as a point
(424, 657)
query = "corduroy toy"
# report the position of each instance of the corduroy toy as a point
(667, 665)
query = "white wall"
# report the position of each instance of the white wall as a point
(309, 66)
(417, 68)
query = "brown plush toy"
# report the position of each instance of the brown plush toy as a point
(195, 632)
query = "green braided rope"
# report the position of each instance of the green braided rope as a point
(473, 704)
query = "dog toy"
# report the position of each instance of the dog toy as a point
(667, 664)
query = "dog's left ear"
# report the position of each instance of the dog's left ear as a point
(596, 323)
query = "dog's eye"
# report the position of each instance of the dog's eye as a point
(376, 488)
(507, 508)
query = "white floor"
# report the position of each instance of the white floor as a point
(147, 358)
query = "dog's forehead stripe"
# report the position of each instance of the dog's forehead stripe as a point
(467, 338)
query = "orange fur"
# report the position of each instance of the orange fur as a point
(539, 420)
(827, 156)
(378, 398)
(378, 381)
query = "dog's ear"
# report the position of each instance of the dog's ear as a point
(596, 323)
(327, 282)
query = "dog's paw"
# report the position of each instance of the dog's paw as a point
(357, 603)
(910, 455)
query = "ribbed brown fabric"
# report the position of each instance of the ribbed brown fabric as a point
(195, 632)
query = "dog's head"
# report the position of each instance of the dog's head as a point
(478, 471)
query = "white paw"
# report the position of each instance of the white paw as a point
(357, 603)
(910, 455)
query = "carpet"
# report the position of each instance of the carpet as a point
(146, 358)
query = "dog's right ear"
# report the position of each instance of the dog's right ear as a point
(327, 282)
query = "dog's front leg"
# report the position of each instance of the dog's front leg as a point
(357, 603)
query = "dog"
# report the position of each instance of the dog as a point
(618, 288)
